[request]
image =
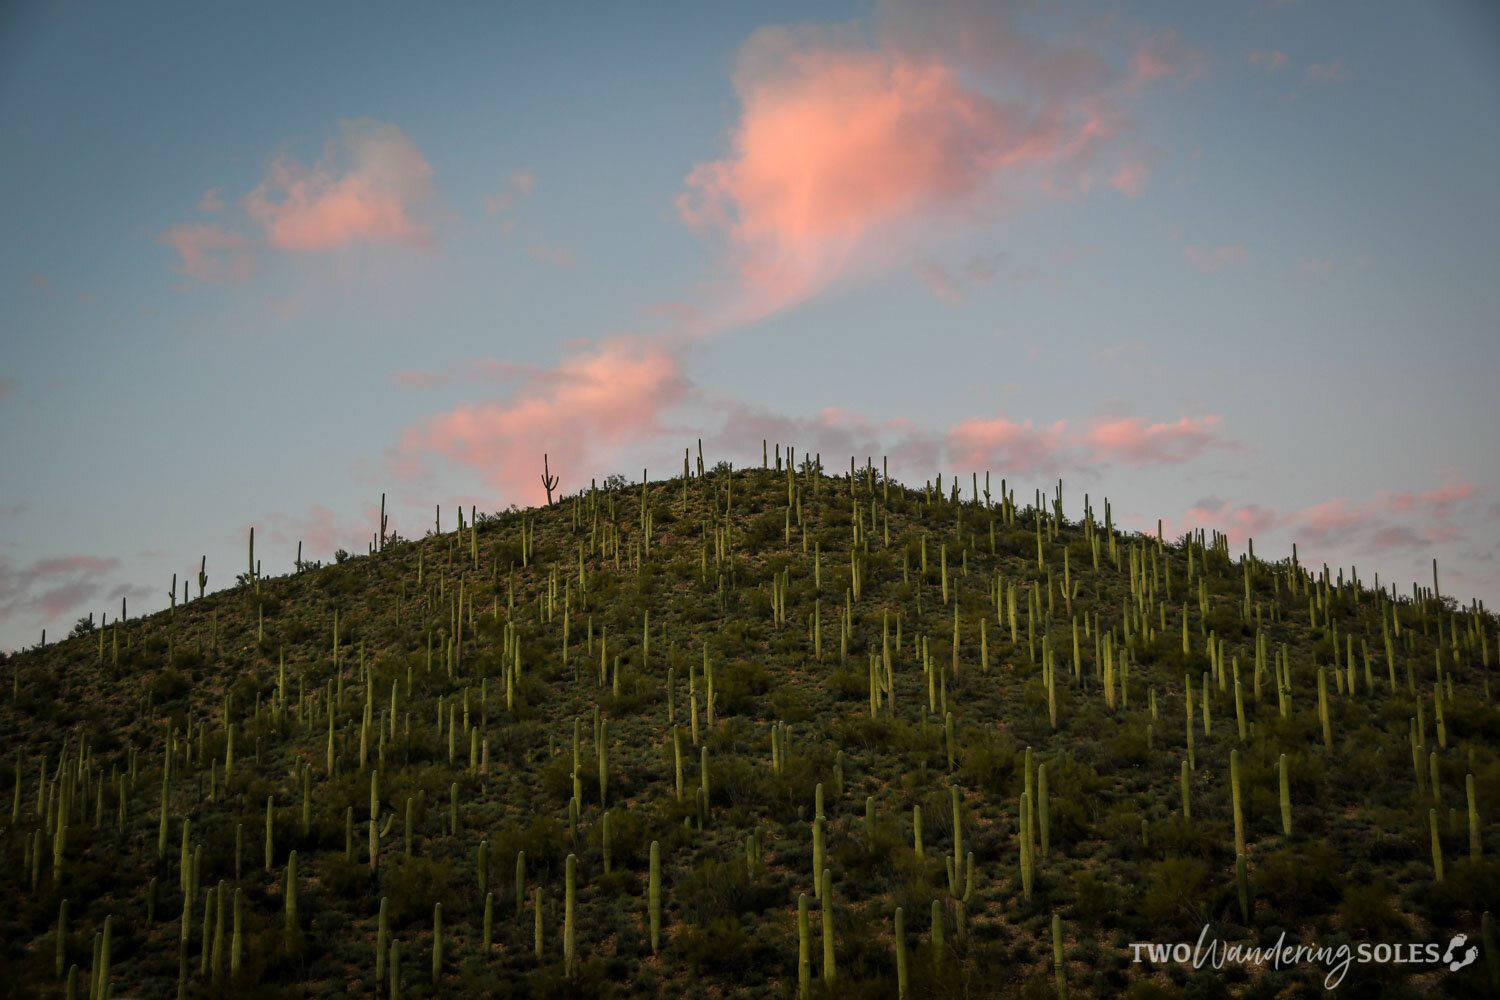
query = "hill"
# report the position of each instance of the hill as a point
(723, 733)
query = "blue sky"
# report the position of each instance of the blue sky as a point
(1233, 266)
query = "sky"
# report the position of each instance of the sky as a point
(1230, 265)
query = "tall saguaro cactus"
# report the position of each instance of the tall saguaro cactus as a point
(549, 481)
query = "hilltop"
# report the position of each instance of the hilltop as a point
(711, 735)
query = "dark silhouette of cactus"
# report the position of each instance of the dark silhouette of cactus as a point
(549, 481)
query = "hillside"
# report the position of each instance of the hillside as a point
(802, 712)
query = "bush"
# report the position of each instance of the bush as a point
(1176, 894)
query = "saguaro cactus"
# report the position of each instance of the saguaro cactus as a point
(290, 913)
(382, 939)
(1286, 795)
(437, 942)
(549, 481)
(804, 954)
(1234, 793)
(1437, 846)
(1057, 957)
(653, 896)
(520, 882)
(937, 934)
(1242, 879)
(570, 930)
(830, 971)
(1475, 851)
(902, 989)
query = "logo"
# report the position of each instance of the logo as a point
(1335, 960)
(1454, 964)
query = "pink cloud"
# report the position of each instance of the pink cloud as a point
(952, 283)
(1133, 440)
(1273, 60)
(413, 379)
(1332, 72)
(371, 185)
(1211, 260)
(211, 202)
(1441, 499)
(209, 253)
(477, 371)
(48, 588)
(1415, 521)
(517, 186)
(842, 146)
(1315, 267)
(1238, 522)
(321, 533)
(1153, 60)
(7, 386)
(595, 403)
(1002, 443)
(977, 443)
(556, 256)
(1130, 179)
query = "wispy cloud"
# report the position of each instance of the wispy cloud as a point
(594, 403)
(1134, 441)
(1272, 60)
(206, 252)
(52, 587)
(372, 185)
(516, 188)
(556, 256)
(1412, 522)
(843, 147)
(1329, 72)
(1211, 260)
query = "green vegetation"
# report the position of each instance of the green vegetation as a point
(755, 733)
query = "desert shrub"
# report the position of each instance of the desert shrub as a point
(1176, 894)
(738, 687)
(1301, 880)
(992, 763)
(1369, 910)
(717, 889)
(413, 887)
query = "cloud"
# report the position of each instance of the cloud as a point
(1415, 521)
(1332, 72)
(1130, 179)
(7, 386)
(1211, 260)
(1272, 60)
(372, 185)
(482, 371)
(556, 256)
(1316, 268)
(208, 253)
(952, 283)
(999, 442)
(517, 186)
(844, 147)
(593, 404)
(39, 281)
(211, 200)
(408, 378)
(1136, 442)
(1441, 500)
(51, 587)
(321, 532)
